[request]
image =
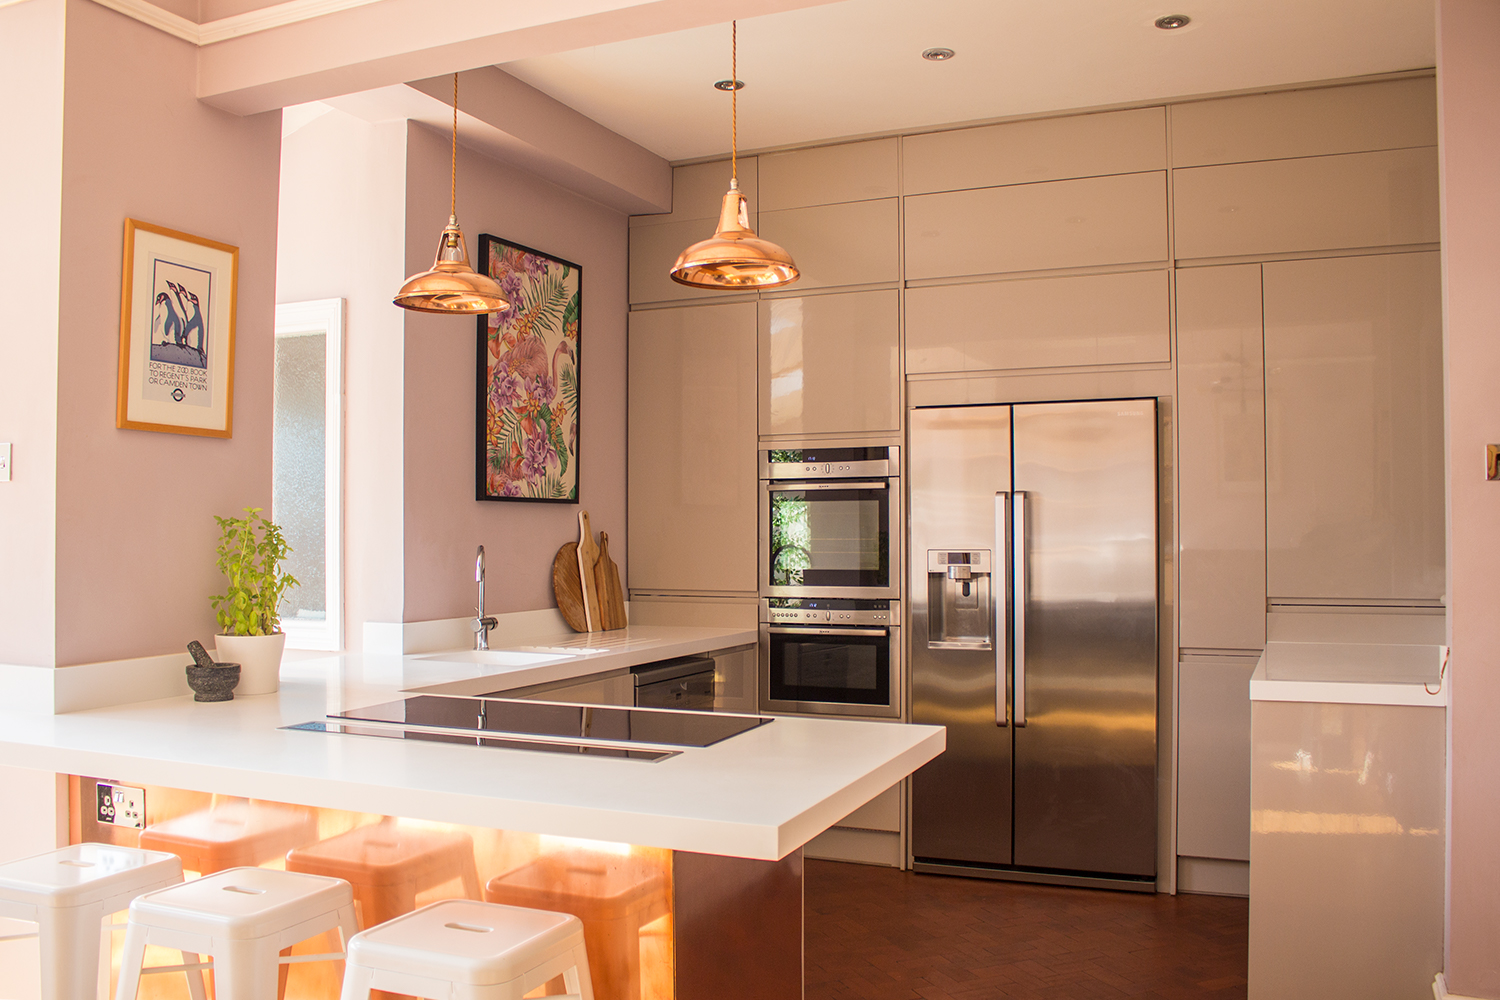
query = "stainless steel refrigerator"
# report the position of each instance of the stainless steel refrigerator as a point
(1033, 638)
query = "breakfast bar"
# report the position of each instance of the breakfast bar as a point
(694, 840)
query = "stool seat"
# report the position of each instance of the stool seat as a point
(243, 918)
(462, 948)
(232, 835)
(68, 893)
(388, 863)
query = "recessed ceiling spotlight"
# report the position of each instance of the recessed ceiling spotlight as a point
(1172, 21)
(937, 55)
(728, 85)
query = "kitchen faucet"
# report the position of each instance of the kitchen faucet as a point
(482, 624)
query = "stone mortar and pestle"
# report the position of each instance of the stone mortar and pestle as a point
(210, 681)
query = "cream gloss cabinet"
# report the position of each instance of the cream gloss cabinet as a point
(1354, 419)
(1221, 458)
(830, 363)
(656, 240)
(692, 483)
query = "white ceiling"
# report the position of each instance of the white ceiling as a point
(854, 68)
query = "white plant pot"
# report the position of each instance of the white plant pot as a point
(259, 657)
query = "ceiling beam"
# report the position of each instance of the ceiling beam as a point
(392, 41)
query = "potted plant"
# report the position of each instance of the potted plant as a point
(250, 552)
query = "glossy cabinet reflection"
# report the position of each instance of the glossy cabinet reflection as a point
(830, 363)
(1221, 458)
(692, 474)
(1053, 322)
(1213, 757)
(856, 243)
(1354, 418)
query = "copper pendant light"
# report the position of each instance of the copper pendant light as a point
(734, 257)
(452, 286)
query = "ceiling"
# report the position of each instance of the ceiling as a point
(854, 68)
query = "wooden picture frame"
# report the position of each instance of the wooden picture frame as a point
(178, 296)
(527, 427)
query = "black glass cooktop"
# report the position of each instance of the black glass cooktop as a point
(535, 746)
(503, 716)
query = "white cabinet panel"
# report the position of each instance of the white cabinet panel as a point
(1388, 115)
(830, 363)
(692, 472)
(1213, 758)
(1025, 227)
(1314, 203)
(858, 243)
(1221, 458)
(1097, 319)
(1354, 421)
(828, 175)
(1111, 142)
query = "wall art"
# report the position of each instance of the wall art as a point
(528, 359)
(177, 306)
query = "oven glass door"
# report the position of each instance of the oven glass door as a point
(828, 538)
(844, 671)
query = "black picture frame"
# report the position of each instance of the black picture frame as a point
(528, 377)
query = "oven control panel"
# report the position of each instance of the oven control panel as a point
(816, 611)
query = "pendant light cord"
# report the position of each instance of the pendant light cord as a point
(734, 101)
(453, 171)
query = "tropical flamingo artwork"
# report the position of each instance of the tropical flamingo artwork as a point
(529, 377)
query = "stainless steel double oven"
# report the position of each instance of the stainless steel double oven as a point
(830, 582)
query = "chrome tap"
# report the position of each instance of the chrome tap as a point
(482, 624)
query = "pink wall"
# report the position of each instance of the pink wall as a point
(135, 532)
(443, 520)
(31, 64)
(342, 235)
(1469, 144)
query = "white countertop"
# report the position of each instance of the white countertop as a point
(761, 794)
(1351, 673)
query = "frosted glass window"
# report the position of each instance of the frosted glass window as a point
(299, 456)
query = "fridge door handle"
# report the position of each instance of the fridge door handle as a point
(1001, 618)
(1018, 561)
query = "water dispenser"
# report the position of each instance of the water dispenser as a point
(959, 601)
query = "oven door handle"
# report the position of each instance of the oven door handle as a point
(782, 484)
(817, 630)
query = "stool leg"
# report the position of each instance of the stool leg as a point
(69, 939)
(577, 979)
(356, 983)
(132, 956)
(194, 976)
(246, 970)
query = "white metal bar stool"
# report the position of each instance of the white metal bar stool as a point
(243, 918)
(462, 949)
(67, 893)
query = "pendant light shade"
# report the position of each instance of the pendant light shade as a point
(452, 285)
(734, 257)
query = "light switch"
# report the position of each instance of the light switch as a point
(4, 461)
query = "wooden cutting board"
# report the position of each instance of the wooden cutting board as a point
(568, 588)
(607, 579)
(588, 555)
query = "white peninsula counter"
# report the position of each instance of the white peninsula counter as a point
(731, 814)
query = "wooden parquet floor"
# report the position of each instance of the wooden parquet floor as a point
(881, 934)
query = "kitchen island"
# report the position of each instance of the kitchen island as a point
(724, 823)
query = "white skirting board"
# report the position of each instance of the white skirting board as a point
(1440, 990)
(1213, 876)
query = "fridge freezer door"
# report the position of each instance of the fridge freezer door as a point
(961, 802)
(1085, 762)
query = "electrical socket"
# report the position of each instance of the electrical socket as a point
(121, 805)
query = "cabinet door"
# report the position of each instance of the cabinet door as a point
(656, 240)
(1313, 203)
(1222, 458)
(857, 243)
(1213, 758)
(830, 363)
(1354, 428)
(692, 471)
(828, 175)
(1027, 227)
